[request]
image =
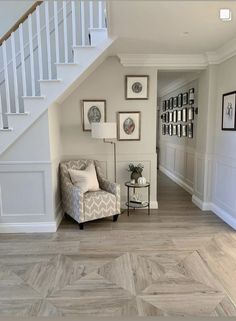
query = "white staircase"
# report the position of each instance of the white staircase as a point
(45, 58)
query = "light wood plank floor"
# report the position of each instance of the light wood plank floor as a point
(178, 261)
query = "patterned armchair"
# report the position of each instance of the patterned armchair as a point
(88, 206)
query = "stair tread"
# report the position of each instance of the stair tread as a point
(18, 114)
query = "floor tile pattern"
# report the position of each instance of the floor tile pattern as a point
(178, 261)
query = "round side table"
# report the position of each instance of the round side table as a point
(137, 205)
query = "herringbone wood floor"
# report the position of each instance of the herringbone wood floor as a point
(177, 261)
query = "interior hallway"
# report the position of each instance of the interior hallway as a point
(177, 261)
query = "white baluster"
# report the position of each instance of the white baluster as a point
(82, 16)
(6, 77)
(65, 30)
(22, 57)
(56, 31)
(90, 14)
(48, 39)
(100, 14)
(40, 56)
(31, 54)
(1, 113)
(73, 23)
(13, 50)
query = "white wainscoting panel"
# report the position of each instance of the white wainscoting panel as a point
(177, 162)
(26, 194)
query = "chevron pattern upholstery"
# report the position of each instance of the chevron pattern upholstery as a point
(91, 205)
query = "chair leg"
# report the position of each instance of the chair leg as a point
(115, 217)
(81, 226)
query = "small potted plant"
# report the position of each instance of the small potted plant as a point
(136, 171)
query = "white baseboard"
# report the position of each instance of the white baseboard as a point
(204, 206)
(176, 179)
(35, 227)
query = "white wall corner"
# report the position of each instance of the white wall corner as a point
(205, 206)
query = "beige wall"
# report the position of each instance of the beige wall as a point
(107, 82)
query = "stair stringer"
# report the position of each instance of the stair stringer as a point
(69, 77)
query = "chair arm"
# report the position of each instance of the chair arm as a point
(72, 200)
(112, 188)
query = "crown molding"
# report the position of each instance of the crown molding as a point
(179, 61)
(175, 85)
(164, 61)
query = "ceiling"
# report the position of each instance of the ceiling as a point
(168, 78)
(161, 26)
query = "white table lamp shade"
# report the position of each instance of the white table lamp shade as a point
(104, 130)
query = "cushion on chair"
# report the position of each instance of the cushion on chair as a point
(85, 179)
(99, 204)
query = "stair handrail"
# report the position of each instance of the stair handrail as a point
(19, 21)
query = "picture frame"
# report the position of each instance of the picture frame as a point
(184, 130)
(229, 111)
(163, 129)
(129, 125)
(171, 102)
(164, 105)
(136, 87)
(191, 96)
(184, 115)
(170, 116)
(175, 102)
(179, 130)
(179, 115)
(190, 130)
(175, 116)
(180, 100)
(93, 110)
(174, 130)
(167, 129)
(190, 113)
(167, 117)
(185, 98)
(170, 129)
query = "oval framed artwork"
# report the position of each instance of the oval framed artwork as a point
(129, 125)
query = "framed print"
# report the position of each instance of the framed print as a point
(162, 118)
(175, 102)
(93, 111)
(171, 102)
(191, 113)
(136, 87)
(175, 116)
(164, 105)
(184, 114)
(185, 99)
(170, 129)
(179, 130)
(180, 100)
(179, 115)
(229, 111)
(191, 96)
(167, 129)
(174, 130)
(170, 116)
(129, 125)
(190, 130)
(184, 130)
(163, 129)
(167, 117)
(167, 104)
